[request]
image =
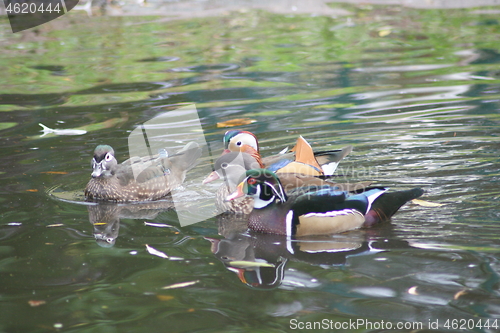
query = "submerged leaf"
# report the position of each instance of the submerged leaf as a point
(383, 33)
(243, 263)
(236, 122)
(165, 297)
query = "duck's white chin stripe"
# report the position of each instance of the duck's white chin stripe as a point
(258, 202)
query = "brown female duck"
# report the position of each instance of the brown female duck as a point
(138, 178)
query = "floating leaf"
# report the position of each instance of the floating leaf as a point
(236, 122)
(34, 303)
(459, 294)
(243, 263)
(155, 252)
(175, 258)
(87, 128)
(100, 223)
(383, 33)
(73, 131)
(14, 223)
(181, 285)
(424, 203)
(55, 225)
(413, 290)
(32, 190)
(158, 225)
(165, 297)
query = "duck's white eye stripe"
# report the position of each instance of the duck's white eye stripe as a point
(280, 194)
(108, 157)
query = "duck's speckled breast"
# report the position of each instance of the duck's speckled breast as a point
(268, 220)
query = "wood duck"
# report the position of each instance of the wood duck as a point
(232, 166)
(324, 210)
(138, 178)
(294, 161)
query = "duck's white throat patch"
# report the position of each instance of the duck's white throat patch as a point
(258, 202)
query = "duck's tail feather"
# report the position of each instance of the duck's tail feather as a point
(329, 160)
(187, 157)
(389, 203)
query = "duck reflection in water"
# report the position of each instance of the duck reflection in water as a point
(259, 260)
(105, 217)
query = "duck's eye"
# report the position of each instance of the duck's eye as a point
(108, 157)
(252, 181)
(238, 143)
(224, 165)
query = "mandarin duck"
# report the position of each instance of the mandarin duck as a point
(138, 178)
(300, 159)
(315, 211)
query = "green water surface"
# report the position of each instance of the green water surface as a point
(416, 92)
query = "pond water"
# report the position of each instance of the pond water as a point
(416, 92)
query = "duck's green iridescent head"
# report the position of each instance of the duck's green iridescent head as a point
(261, 184)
